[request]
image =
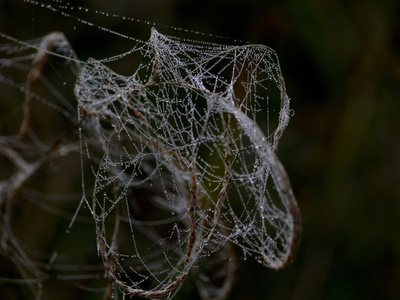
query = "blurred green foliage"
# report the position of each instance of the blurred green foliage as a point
(341, 149)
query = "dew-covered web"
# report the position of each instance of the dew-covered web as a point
(177, 161)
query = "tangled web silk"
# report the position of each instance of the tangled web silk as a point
(185, 172)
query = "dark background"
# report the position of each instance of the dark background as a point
(340, 60)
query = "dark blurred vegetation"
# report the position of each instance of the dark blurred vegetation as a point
(341, 63)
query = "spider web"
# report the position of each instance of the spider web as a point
(181, 147)
(178, 160)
